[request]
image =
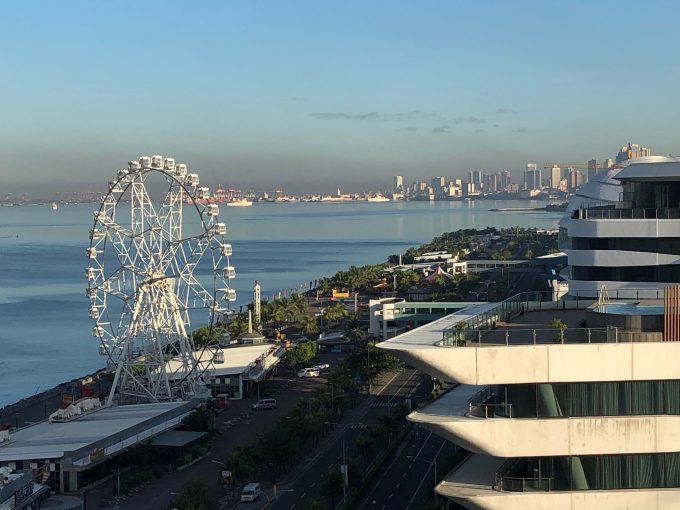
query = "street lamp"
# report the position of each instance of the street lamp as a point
(343, 469)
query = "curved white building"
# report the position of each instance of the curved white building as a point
(621, 230)
(581, 418)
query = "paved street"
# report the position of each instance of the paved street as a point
(409, 480)
(304, 481)
(237, 430)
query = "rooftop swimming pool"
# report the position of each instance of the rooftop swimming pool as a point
(629, 309)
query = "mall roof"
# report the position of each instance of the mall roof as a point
(127, 424)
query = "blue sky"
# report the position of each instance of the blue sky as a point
(310, 94)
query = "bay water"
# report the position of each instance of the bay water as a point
(45, 332)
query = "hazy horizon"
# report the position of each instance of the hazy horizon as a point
(310, 96)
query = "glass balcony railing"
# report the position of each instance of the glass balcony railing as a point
(611, 213)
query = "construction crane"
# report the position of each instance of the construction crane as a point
(566, 165)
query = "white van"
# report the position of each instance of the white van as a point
(250, 492)
(264, 403)
(308, 372)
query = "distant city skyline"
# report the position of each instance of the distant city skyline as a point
(310, 96)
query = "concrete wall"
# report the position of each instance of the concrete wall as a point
(639, 499)
(515, 364)
(532, 437)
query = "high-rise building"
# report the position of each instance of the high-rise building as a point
(581, 416)
(490, 183)
(632, 151)
(575, 178)
(532, 177)
(592, 169)
(555, 176)
(475, 177)
(398, 183)
(438, 183)
(608, 163)
(505, 180)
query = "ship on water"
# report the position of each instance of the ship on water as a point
(239, 202)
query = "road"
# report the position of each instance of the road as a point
(304, 481)
(238, 425)
(409, 480)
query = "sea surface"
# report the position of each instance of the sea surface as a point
(45, 332)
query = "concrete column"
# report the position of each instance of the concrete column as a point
(547, 400)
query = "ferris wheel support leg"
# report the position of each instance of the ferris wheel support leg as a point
(109, 401)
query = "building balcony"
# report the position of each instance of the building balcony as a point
(511, 343)
(482, 482)
(481, 422)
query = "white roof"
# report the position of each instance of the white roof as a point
(429, 335)
(237, 359)
(47, 440)
(652, 170)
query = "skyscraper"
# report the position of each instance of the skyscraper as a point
(532, 177)
(555, 177)
(398, 182)
(592, 169)
(475, 177)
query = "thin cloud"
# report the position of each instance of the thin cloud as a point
(347, 116)
(411, 128)
(479, 130)
(441, 129)
(469, 120)
(520, 130)
(496, 125)
(505, 111)
(413, 115)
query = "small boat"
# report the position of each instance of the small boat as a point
(54, 206)
(241, 202)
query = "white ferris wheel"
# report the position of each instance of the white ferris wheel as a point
(158, 262)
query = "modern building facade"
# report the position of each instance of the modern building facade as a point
(577, 417)
(622, 229)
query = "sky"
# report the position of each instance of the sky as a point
(312, 95)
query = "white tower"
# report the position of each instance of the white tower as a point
(256, 304)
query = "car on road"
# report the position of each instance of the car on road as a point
(264, 403)
(250, 492)
(321, 366)
(308, 372)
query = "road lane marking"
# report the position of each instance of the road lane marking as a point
(427, 472)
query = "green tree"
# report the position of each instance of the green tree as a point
(194, 496)
(301, 353)
(238, 325)
(206, 335)
(308, 324)
(311, 504)
(355, 334)
(559, 328)
(331, 484)
(241, 463)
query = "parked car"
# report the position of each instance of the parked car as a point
(264, 403)
(321, 366)
(250, 492)
(308, 372)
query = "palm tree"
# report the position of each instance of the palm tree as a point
(355, 334)
(307, 324)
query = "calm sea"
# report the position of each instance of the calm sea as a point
(45, 333)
